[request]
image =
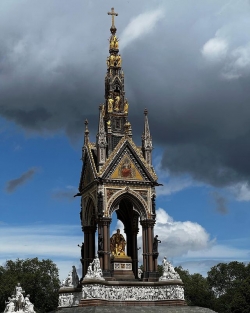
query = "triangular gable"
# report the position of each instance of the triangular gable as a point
(126, 170)
(140, 170)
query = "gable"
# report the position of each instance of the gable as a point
(88, 175)
(126, 169)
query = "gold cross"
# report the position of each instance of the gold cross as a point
(113, 16)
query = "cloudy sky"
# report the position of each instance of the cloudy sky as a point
(187, 62)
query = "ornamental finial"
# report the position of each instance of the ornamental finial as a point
(113, 14)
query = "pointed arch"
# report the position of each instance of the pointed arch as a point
(139, 205)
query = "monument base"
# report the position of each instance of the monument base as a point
(122, 268)
(123, 293)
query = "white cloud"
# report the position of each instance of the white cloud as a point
(56, 242)
(139, 26)
(215, 49)
(178, 238)
(241, 191)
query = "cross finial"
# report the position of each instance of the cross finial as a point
(113, 14)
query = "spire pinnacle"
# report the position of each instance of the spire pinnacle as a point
(86, 137)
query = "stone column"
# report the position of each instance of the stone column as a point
(145, 250)
(106, 246)
(150, 247)
(135, 252)
(86, 252)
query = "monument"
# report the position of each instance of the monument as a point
(18, 302)
(118, 178)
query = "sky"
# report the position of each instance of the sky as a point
(187, 62)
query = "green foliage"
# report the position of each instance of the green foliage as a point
(39, 279)
(230, 283)
(197, 291)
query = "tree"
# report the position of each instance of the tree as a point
(226, 281)
(241, 298)
(197, 291)
(39, 279)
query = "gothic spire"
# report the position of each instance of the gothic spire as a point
(101, 141)
(147, 145)
(116, 105)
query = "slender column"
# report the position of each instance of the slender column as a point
(100, 244)
(150, 247)
(106, 246)
(135, 253)
(145, 250)
(86, 252)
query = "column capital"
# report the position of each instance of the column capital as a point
(147, 223)
(104, 221)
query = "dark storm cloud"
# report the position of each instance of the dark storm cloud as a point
(13, 184)
(191, 70)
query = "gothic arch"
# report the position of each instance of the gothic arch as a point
(139, 205)
(89, 211)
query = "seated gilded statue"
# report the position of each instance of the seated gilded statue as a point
(117, 244)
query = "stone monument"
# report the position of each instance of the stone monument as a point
(118, 178)
(18, 302)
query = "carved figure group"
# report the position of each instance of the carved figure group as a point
(168, 271)
(114, 60)
(68, 299)
(94, 270)
(72, 279)
(117, 244)
(113, 42)
(141, 293)
(18, 303)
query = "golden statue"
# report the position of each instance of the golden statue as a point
(107, 62)
(126, 105)
(118, 60)
(110, 104)
(112, 60)
(117, 244)
(117, 103)
(113, 42)
(109, 123)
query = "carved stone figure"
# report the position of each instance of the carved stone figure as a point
(94, 270)
(117, 103)
(117, 244)
(126, 105)
(140, 272)
(110, 104)
(28, 306)
(168, 271)
(10, 305)
(155, 244)
(72, 279)
(19, 297)
(100, 242)
(82, 250)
